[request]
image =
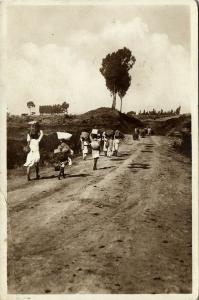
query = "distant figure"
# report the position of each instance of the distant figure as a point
(84, 139)
(33, 156)
(105, 143)
(99, 137)
(95, 145)
(85, 148)
(136, 134)
(110, 146)
(148, 131)
(142, 133)
(116, 141)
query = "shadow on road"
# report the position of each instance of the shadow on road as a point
(104, 168)
(139, 166)
(123, 154)
(78, 175)
(149, 151)
(66, 176)
(117, 159)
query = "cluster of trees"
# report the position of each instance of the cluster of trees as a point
(54, 109)
(115, 69)
(49, 109)
(161, 112)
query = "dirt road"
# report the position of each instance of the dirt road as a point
(125, 228)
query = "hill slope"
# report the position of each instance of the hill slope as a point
(101, 118)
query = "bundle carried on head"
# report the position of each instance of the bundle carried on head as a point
(64, 135)
(95, 131)
(84, 135)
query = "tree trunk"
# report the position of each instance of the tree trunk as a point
(114, 99)
(121, 104)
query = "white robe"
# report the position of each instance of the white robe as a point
(33, 156)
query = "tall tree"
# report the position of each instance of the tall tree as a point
(115, 69)
(124, 84)
(30, 105)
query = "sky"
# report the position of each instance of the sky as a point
(55, 52)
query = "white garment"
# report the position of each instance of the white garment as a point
(70, 162)
(105, 148)
(33, 156)
(110, 148)
(95, 153)
(85, 147)
(116, 144)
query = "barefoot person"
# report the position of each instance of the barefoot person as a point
(33, 156)
(95, 145)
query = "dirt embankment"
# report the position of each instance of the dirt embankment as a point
(125, 228)
(178, 128)
(102, 118)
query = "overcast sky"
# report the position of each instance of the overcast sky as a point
(55, 52)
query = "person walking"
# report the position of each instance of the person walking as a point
(95, 145)
(136, 134)
(63, 157)
(105, 143)
(33, 156)
(110, 146)
(116, 142)
(85, 145)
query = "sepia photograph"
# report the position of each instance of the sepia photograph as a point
(101, 98)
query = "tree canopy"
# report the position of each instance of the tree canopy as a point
(115, 69)
(54, 109)
(30, 105)
(65, 105)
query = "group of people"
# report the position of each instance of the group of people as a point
(107, 142)
(141, 132)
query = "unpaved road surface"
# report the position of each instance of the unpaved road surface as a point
(125, 228)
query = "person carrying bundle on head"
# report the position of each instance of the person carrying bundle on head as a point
(116, 141)
(95, 145)
(84, 138)
(63, 157)
(105, 143)
(33, 157)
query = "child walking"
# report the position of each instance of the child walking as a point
(63, 158)
(63, 162)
